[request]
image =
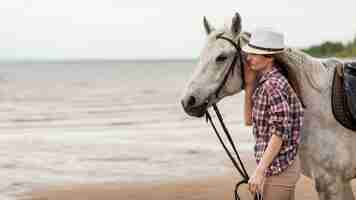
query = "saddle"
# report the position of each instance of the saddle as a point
(343, 97)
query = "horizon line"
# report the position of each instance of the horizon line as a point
(69, 60)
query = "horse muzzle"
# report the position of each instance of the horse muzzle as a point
(192, 108)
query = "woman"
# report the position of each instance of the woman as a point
(276, 114)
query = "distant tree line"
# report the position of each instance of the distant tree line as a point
(333, 49)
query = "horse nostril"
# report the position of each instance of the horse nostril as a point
(191, 101)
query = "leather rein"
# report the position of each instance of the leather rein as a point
(238, 164)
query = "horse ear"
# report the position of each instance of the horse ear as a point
(207, 26)
(236, 24)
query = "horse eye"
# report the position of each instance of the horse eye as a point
(221, 58)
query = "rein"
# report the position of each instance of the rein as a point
(238, 165)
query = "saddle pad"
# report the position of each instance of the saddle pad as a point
(339, 104)
(350, 86)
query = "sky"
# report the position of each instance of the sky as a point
(157, 29)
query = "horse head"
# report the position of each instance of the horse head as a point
(208, 85)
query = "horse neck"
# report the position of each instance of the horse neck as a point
(313, 77)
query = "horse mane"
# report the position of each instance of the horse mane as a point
(315, 70)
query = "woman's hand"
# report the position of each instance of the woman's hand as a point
(255, 183)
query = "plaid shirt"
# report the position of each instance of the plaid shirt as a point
(276, 110)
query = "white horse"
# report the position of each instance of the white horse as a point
(327, 150)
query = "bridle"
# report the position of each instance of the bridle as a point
(238, 165)
(237, 54)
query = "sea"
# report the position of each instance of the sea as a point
(99, 121)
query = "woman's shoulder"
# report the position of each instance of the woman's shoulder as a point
(278, 81)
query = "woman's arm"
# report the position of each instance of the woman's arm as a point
(250, 82)
(272, 150)
(248, 105)
(279, 129)
(279, 125)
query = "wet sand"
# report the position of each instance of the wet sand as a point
(208, 188)
(205, 189)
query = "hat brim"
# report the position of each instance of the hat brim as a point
(251, 50)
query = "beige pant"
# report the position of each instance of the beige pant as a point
(282, 186)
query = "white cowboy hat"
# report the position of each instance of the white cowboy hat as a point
(265, 41)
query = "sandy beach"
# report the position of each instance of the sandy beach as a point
(208, 188)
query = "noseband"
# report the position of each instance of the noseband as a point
(237, 54)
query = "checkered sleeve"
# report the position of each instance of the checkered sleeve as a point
(279, 121)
